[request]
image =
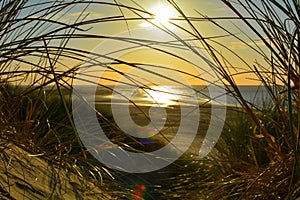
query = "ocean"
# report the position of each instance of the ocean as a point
(174, 95)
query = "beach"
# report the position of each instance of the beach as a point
(27, 176)
(158, 181)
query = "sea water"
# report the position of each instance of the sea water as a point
(173, 95)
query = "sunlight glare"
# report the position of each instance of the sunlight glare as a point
(161, 95)
(162, 14)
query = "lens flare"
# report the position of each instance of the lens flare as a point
(139, 191)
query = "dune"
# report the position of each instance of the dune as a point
(25, 176)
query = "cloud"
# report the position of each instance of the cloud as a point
(245, 45)
(87, 15)
(222, 9)
(237, 46)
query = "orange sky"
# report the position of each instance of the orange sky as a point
(210, 8)
(192, 8)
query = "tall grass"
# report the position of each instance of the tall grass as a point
(276, 24)
(35, 45)
(263, 150)
(269, 165)
(37, 64)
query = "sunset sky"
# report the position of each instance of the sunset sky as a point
(162, 14)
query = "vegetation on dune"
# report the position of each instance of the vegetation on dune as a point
(257, 156)
(35, 82)
(260, 153)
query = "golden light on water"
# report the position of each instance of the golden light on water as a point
(161, 95)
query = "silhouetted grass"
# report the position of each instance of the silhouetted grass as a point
(260, 150)
(257, 156)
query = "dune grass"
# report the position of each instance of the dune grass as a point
(258, 153)
(260, 149)
(35, 83)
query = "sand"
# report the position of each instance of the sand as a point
(25, 176)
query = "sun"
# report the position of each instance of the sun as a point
(162, 15)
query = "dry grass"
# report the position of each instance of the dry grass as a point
(271, 134)
(34, 45)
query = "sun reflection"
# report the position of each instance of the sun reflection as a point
(161, 95)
